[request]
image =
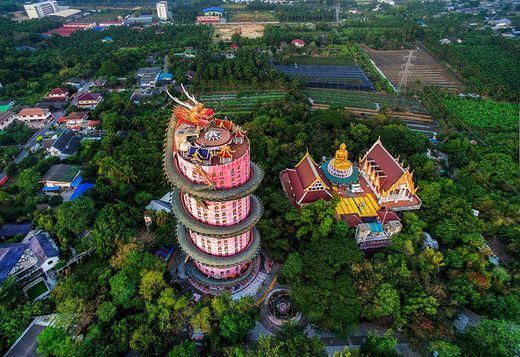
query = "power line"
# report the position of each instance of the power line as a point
(406, 73)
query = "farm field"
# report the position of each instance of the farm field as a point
(426, 69)
(366, 100)
(233, 103)
(484, 114)
(320, 60)
(252, 16)
(226, 31)
(103, 16)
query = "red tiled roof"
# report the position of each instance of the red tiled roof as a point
(386, 163)
(307, 171)
(93, 123)
(33, 112)
(386, 216)
(73, 116)
(294, 190)
(89, 96)
(58, 91)
(351, 219)
(298, 42)
(76, 115)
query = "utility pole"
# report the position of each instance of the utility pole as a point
(338, 10)
(406, 73)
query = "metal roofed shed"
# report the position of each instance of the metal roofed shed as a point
(61, 175)
(213, 10)
(320, 76)
(81, 190)
(13, 229)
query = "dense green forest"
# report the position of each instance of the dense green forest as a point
(122, 299)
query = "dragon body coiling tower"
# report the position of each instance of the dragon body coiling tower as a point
(207, 160)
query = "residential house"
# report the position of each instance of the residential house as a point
(100, 82)
(74, 120)
(27, 343)
(163, 79)
(147, 76)
(57, 98)
(10, 230)
(31, 261)
(60, 178)
(445, 41)
(141, 94)
(66, 145)
(298, 43)
(58, 94)
(75, 82)
(35, 118)
(163, 204)
(6, 119)
(503, 23)
(3, 178)
(89, 100)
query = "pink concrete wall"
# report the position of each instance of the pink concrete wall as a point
(218, 213)
(221, 246)
(222, 273)
(234, 174)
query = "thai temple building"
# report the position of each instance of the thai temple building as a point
(369, 192)
(207, 161)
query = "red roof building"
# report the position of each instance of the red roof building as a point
(35, 118)
(57, 95)
(391, 183)
(3, 178)
(305, 183)
(298, 43)
(74, 119)
(89, 100)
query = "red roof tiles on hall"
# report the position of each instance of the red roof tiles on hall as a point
(307, 171)
(391, 170)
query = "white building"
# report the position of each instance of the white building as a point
(35, 118)
(41, 9)
(162, 10)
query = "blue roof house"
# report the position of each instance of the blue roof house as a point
(29, 260)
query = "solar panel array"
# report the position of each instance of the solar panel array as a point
(338, 77)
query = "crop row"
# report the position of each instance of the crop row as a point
(367, 100)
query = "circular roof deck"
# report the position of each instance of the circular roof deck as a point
(212, 137)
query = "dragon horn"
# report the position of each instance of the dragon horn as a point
(190, 97)
(176, 100)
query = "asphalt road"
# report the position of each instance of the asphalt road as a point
(32, 141)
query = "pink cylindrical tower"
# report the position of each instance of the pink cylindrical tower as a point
(208, 162)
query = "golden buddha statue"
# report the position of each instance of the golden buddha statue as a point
(341, 161)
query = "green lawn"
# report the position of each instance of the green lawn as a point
(36, 290)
